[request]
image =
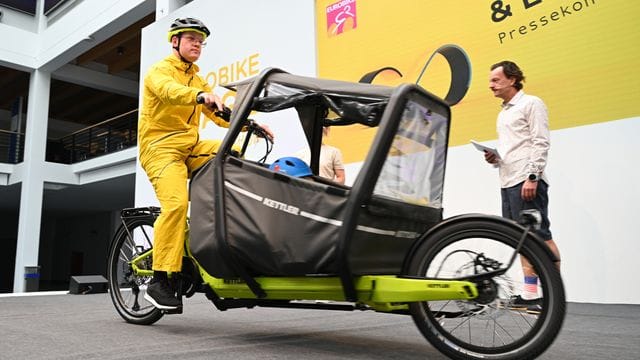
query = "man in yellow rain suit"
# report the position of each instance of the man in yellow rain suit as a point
(170, 149)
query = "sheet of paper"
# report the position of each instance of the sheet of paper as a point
(484, 148)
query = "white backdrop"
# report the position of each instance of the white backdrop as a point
(593, 205)
(593, 197)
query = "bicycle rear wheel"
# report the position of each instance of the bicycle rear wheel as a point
(126, 287)
(490, 326)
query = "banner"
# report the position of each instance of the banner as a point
(578, 56)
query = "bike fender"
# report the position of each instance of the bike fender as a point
(472, 217)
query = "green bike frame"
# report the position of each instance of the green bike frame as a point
(384, 293)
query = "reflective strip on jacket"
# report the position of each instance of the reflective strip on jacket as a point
(170, 116)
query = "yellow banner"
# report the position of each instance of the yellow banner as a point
(580, 56)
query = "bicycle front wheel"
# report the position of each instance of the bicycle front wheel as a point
(492, 326)
(133, 241)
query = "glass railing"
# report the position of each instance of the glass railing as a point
(11, 147)
(109, 136)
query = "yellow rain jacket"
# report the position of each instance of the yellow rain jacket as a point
(170, 116)
(169, 149)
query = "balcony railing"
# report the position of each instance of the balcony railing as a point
(111, 135)
(11, 147)
(115, 134)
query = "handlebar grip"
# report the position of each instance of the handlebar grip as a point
(225, 113)
(258, 131)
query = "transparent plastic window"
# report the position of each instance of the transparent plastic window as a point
(414, 169)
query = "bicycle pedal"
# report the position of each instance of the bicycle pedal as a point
(173, 311)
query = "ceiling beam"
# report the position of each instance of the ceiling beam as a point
(97, 80)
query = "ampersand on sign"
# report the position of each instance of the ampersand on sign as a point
(499, 13)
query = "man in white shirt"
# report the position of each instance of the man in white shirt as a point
(523, 145)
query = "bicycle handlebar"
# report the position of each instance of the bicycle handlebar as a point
(252, 127)
(224, 114)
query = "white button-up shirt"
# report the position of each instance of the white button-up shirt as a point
(523, 139)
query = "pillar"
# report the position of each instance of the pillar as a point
(30, 215)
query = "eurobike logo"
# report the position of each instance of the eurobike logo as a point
(341, 17)
(502, 10)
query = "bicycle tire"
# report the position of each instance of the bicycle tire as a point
(126, 288)
(487, 327)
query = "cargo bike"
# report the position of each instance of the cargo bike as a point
(261, 238)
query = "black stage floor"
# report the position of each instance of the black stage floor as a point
(64, 326)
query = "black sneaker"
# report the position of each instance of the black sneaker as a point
(533, 306)
(162, 296)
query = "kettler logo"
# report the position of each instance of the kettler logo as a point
(438, 286)
(281, 206)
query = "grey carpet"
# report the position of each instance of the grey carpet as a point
(88, 327)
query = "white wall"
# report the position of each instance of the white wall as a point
(22, 56)
(593, 197)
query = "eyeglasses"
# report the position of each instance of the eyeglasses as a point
(193, 40)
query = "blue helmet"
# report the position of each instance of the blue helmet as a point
(291, 166)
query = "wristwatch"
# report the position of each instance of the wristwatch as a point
(533, 177)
